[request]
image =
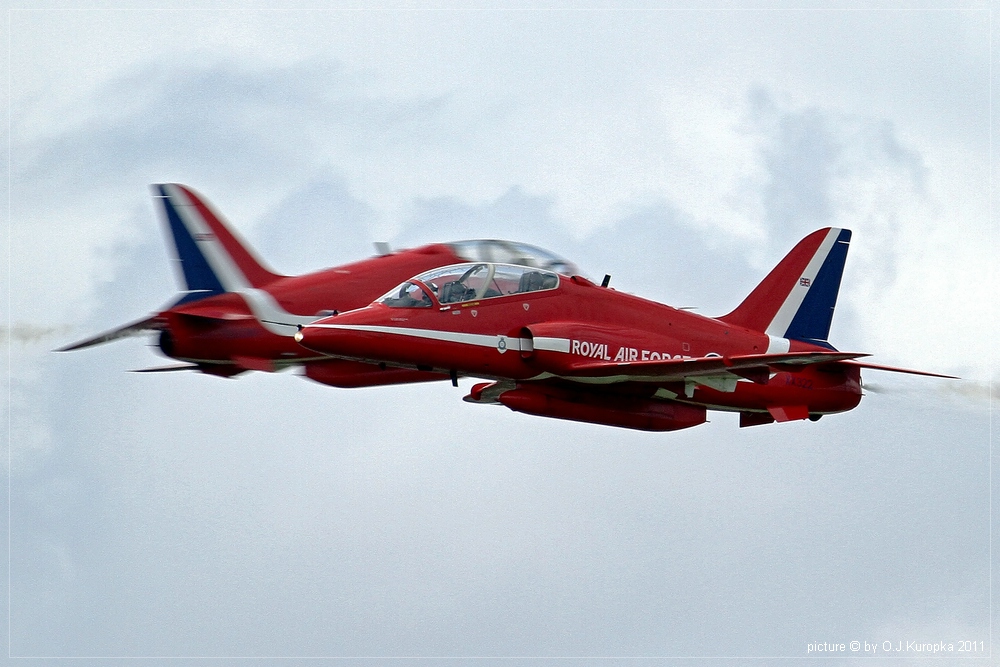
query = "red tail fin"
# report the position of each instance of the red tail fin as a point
(213, 258)
(797, 298)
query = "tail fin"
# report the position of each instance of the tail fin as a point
(213, 258)
(797, 298)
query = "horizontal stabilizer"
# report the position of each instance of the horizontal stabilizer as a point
(221, 370)
(679, 369)
(167, 369)
(894, 369)
(131, 329)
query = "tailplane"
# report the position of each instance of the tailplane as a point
(797, 298)
(213, 259)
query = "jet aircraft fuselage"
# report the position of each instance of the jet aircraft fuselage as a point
(237, 315)
(564, 347)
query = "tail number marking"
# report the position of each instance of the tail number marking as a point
(803, 383)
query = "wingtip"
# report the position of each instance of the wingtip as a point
(896, 369)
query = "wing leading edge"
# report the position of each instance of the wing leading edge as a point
(679, 369)
(131, 329)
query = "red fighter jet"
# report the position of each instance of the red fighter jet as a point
(563, 347)
(237, 315)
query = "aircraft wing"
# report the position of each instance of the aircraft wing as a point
(671, 370)
(132, 329)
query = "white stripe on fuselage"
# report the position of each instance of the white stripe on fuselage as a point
(271, 316)
(479, 340)
(719, 381)
(783, 318)
(551, 344)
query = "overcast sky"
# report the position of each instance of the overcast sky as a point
(683, 152)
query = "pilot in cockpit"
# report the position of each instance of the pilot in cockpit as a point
(410, 296)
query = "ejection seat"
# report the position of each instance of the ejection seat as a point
(532, 281)
(455, 292)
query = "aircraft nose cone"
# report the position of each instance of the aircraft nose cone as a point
(325, 339)
(310, 336)
(355, 334)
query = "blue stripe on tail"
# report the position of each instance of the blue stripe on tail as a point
(811, 323)
(199, 277)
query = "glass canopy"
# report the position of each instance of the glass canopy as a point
(468, 282)
(509, 252)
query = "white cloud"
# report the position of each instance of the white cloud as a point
(178, 514)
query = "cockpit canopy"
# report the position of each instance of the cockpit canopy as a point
(509, 252)
(468, 282)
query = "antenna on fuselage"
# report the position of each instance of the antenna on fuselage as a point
(607, 280)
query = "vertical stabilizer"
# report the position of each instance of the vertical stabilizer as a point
(797, 298)
(213, 259)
